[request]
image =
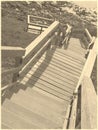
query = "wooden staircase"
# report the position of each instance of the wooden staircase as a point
(45, 95)
(41, 98)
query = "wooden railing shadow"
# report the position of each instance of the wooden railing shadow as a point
(33, 53)
(41, 68)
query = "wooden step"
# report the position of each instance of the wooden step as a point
(77, 52)
(54, 91)
(63, 63)
(26, 101)
(16, 122)
(57, 71)
(52, 97)
(60, 89)
(52, 73)
(72, 58)
(26, 114)
(64, 59)
(44, 98)
(77, 46)
(53, 77)
(71, 54)
(63, 68)
(77, 49)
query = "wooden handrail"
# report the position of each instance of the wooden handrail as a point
(34, 46)
(39, 25)
(86, 73)
(9, 71)
(8, 86)
(87, 70)
(40, 18)
(9, 51)
(35, 58)
(72, 120)
(88, 34)
(88, 105)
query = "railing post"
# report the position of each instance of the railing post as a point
(88, 34)
(18, 61)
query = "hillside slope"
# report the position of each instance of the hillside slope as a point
(14, 19)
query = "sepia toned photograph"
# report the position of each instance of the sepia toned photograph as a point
(49, 64)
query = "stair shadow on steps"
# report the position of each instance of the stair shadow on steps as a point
(41, 68)
(19, 86)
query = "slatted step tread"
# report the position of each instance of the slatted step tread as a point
(26, 114)
(26, 101)
(71, 71)
(63, 63)
(63, 89)
(16, 122)
(4, 126)
(57, 106)
(56, 70)
(54, 91)
(71, 54)
(63, 59)
(59, 85)
(52, 73)
(49, 80)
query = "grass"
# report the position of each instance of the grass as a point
(14, 33)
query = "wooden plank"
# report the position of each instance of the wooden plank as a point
(66, 121)
(72, 121)
(37, 25)
(8, 86)
(13, 120)
(22, 100)
(88, 105)
(40, 18)
(34, 27)
(26, 114)
(88, 34)
(9, 51)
